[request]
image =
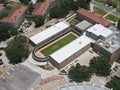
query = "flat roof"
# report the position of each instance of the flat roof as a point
(20, 77)
(49, 32)
(71, 48)
(99, 29)
(83, 25)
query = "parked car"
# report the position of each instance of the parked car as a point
(1, 62)
(0, 54)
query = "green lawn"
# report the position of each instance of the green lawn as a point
(73, 21)
(112, 18)
(100, 11)
(13, 5)
(59, 44)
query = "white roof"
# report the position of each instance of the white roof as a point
(71, 48)
(48, 32)
(99, 29)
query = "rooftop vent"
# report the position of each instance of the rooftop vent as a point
(107, 45)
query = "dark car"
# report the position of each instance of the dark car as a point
(1, 62)
(0, 54)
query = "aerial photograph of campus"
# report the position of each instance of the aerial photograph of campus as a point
(59, 44)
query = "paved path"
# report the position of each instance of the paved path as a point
(106, 8)
(109, 13)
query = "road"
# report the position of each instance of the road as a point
(106, 8)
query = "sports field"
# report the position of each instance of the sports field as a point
(59, 44)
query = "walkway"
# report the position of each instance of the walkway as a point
(106, 8)
(109, 13)
(51, 82)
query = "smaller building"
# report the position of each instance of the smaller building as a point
(42, 8)
(98, 31)
(83, 26)
(15, 18)
(68, 53)
(2, 9)
(92, 17)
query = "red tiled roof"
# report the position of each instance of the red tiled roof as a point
(94, 16)
(1, 7)
(14, 15)
(41, 8)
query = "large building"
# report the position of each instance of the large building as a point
(107, 42)
(15, 18)
(42, 8)
(65, 55)
(92, 17)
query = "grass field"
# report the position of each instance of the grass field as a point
(100, 11)
(59, 44)
(73, 21)
(112, 18)
(13, 5)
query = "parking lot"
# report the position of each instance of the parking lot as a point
(83, 59)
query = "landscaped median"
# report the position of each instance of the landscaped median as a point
(100, 11)
(112, 18)
(59, 44)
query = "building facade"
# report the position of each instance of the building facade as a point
(15, 18)
(92, 17)
(43, 8)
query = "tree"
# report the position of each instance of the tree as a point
(13, 31)
(114, 83)
(64, 6)
(30, 8)
(17, 49)
(118, 25)
(25, 1)
(101, 66)
(80, 73)
(40, 0)
(4, 34)
(39, 21)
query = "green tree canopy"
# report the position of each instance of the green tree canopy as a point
(80, 73)
(25, 1)
(6, 32)
(17, 49)
(114, 83)
(40, 0)
(39, 21)
(64, 6)
(118, 25)
(101, 66)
